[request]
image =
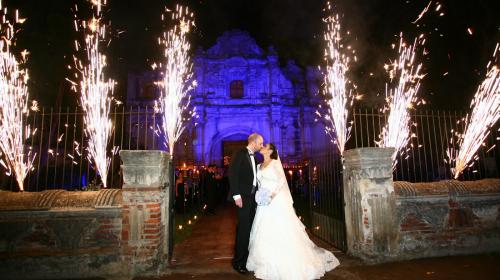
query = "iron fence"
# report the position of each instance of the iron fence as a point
(423, 161)
(425, 158)
(61, 160)
(58, 142)
(326, 199)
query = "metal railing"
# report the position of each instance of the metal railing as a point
(58, 142)
(424, 161)
(425, 158)
(61, 160)
(326, 199)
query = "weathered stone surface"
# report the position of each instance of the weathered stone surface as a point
(447, 187)
(388, 221)
(10, 201)
(108, 233)
(448, 217)
(370, 162)
(60, 243)
(370, 202)
(146, 209)
(144, 169)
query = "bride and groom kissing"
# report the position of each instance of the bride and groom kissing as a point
(271, 240)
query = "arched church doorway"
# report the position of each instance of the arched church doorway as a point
(225, 144)
(230, 147)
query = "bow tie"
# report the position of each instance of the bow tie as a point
(252, 154)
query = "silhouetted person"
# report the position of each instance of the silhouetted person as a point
(211, 186)
(224, 184)
(188, 188)
(179, 193)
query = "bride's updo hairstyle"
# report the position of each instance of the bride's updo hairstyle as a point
(274, 154)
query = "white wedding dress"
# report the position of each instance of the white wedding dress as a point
(279, 246)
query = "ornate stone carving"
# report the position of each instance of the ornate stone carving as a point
(370, 203)
(142, 168)
(380, 172)
(60, 199)
(107, 198)
(235, 43)
(451, 188)
(46, 198)
(267, 88)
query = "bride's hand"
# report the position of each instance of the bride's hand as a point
(273, 195)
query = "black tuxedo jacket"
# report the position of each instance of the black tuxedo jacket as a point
(241, 174)
(210, 181)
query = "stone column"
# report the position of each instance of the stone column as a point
(198, 143)
(145, 234)
(307, 132)
(370, 209)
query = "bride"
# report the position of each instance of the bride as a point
(279, 245)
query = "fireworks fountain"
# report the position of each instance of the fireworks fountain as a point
(339, 97)
(95, 91)
(485, 113)
(403, 97)
(177, 80)
(14, 110)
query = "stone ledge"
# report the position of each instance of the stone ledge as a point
(448, 188)
(114, 212)
(53, 199)
(144, 157)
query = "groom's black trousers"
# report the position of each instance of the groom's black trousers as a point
(245, 220)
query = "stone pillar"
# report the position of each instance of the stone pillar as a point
(145, 228)
(198, 142)
(307, 132)
(370, 208)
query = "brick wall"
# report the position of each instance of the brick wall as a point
(448, 217)
(58, 234)
(50, 239)
(393, 221)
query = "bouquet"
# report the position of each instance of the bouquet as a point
(263, 197)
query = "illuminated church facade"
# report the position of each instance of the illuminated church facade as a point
(242, 89)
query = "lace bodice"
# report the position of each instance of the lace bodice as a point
(272, 178)
(268, 179)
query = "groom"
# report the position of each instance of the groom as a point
(243, 184)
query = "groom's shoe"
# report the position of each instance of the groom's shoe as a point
(241, 270)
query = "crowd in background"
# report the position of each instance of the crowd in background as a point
(207, 187)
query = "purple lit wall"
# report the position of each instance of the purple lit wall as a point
(242, 89)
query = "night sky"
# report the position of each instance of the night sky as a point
(293, 27)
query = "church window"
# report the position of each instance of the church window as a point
(236, 89)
